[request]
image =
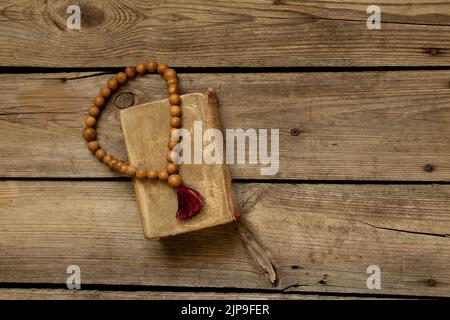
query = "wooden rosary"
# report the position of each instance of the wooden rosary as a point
(190, 201)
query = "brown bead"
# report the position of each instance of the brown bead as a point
(131, 171)
(118, 164)
(152, 174)
(175, 111)
(173, 89)
(93, 145)
(171, 168)
(175, 180)
(169, 73)
(172, 81)
(90, 121)
(141, 173)
(107, 158)
(130, 72)
(152, 66)
(100, 154)
(175, 99)
(113, 84)
(141, 69)
(89, 134)
(112, 163)
(105, 92)
(99, 101)
(162, 68)
(172, 144)
(172, 132)
(123, 168)
(175, 122)
(169, 157)
(121, 77)
(163, 175)
(94, 111)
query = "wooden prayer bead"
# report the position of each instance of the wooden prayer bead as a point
(141, 173)
(152, 66)
(99, 101)
(171, 144)
(123, 168)
(169, 73)
(121, 77)
(152, 174)
(175, 111)
(172, 81)
(162, 68)
(113, 84)
(175, 180)
(131, 171)
(93, 145)
(105, 92)
(112, 163)
(175, 122)
(130, 72)
(163, 175)
(94, 111)
(169, 156)
(172, 89)
(107, 158)
(89, 134)
(174, 99)
(100, 154)
(171, 168)
(90, 121)
(141, 69)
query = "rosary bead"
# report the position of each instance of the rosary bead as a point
(163, 175)
(175, 111)
(172, 81)
(112, 163)
(123, 168)
(100, 154)
(169, 157)
(118, 164)
(152, 66)
(99, 101)
(131, 171)
(172, 88)
(90, 121)
(169, 73)
(175, 99)
(152, 174)
(105, 92)
(121, 77)
(175, 180)
(141, 69)
(162, 68)
(93, 145)
(172, 144)
(141, 173)
(94, 111)
(107, 158)
(130, 72)
(171, 168)
(175, 122)
(113, 84)
(89, 134)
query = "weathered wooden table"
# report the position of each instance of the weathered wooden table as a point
(364, 119)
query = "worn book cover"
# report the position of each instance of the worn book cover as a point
(146, 132)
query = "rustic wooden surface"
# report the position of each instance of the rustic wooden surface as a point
(256, 33)
(364, 152)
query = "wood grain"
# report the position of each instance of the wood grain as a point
(61, 294)
(333, 126)
(330, 235)
(250, 33)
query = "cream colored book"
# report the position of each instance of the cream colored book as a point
(146, 132)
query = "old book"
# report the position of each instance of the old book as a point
(146, 131)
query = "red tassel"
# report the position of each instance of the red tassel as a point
(190, 202)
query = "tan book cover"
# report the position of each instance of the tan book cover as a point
(146, 131)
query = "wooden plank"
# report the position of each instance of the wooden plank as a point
(319, 238)
(252, 33)
(352, 126)
(61, 294)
